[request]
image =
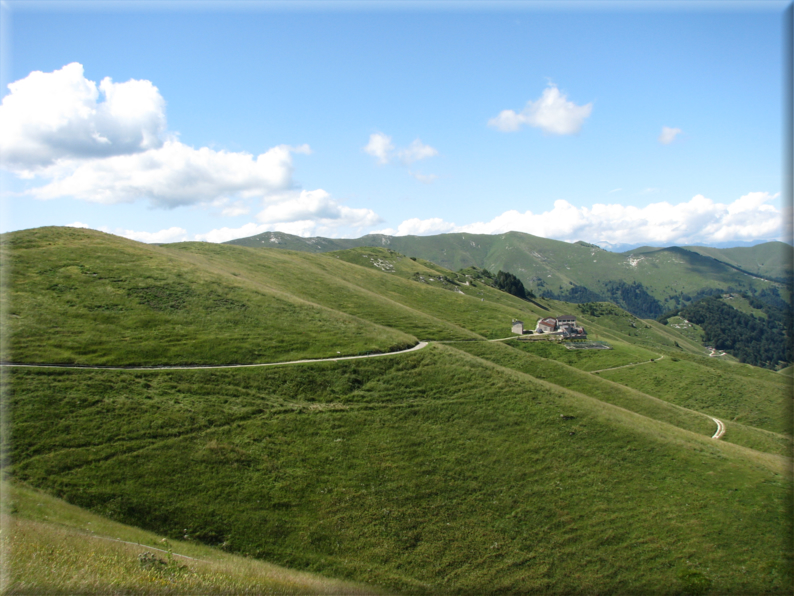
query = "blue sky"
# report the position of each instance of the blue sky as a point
(642, 123)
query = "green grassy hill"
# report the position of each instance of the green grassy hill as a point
(646, 282)
(771, 260)
(53, 547)
(470, 466)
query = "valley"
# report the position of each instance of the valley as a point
(451, 464)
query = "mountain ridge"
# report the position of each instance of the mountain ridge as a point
(581, 271)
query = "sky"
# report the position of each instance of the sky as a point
(613, 123)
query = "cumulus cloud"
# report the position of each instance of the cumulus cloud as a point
(302, 213)
(552, 113)
(415, 151)
(171, 175)
(420, 227)
(380, 147)
(317, 205)
(426, 178)
(173, 234)
(668, 135)
(108, 143)
(53, 116)
(699, 220)
(229, 208)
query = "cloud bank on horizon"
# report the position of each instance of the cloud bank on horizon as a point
(108, 143)
(699, 220)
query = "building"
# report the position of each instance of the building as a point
(566, 321)
(547, 325)
(518, 327)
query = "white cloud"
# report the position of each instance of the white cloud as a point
(552, 113)
(426, 178)
(56, 131)
(415, 151)
(380, 147)
(420, 227)
(230, 208)
(302, 213)
(317, 205)
(668, 135)
(53, 116)
(226, 234)
(699, 220)
(174, 234)
(171, 175)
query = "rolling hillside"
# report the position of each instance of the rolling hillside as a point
(470, 466)
(771, 260)
(647, 282)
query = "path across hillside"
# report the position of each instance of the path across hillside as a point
(419, 346)
(627, 365)
(720, 429)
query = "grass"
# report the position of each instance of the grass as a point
(92, 298)
(52, 547)
(462, 468)
(520, 356)
(432, 472)
(589, 360)
(756, 401)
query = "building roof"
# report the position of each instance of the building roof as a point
(566, 318)
(548, 321)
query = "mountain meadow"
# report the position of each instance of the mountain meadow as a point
(481, 462)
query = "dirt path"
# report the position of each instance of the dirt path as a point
(626, 365)
(720, 429)
(419, 346)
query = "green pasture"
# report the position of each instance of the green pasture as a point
(90, 298)
(52, 547)
(430, 472)
(758, 401)
(588, 360)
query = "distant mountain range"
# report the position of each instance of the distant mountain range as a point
(734, 244)
(646, 281)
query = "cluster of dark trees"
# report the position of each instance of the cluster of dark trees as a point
(633, 297)
(507, 282)
(754, 341)
(576, 295)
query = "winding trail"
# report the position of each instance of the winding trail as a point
(592, 372)
(720, 428)
(419, 346)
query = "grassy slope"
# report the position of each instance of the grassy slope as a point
(430, 472)
(360, 288)
(54, 547)
(757, 399)
(355, 469)
(771, 259)
(86, 297)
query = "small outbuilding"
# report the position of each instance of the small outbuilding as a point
(518, 327)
